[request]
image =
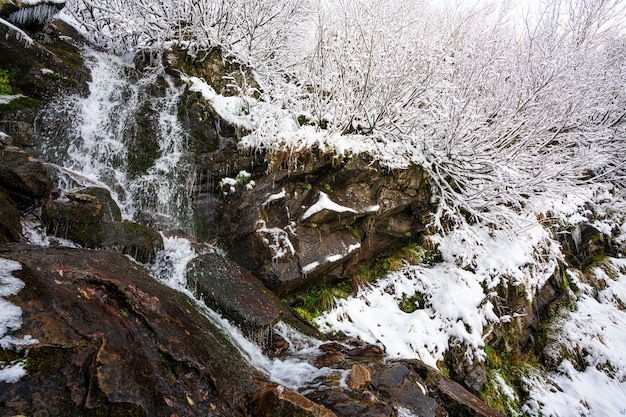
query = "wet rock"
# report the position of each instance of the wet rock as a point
(359, 378)
(403, 387)
(110, 210)
(52, 64)
(462, 402)
(329, 359)
(312, 219)
(113, 341)
(10, 226)
(472, 374)
(274, 400)
(350, 404)
(234, 292)
(84, 217)
(24, 179)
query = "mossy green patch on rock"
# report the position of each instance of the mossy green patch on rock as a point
(20, 102)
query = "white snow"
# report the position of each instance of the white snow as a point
(308, 268)
(274, 197)
(276, 239)
(12, 373)
(325, 203)
(456, 294)
(595, 332)
(11, 319)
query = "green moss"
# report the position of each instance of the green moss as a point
(510, 368)
(311, 302)
(411, 254)
(492, 394)
(21, 102)
(5, 85)
(353, 229)
(409, 304)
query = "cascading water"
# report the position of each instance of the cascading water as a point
(125, 135)
(92, 139)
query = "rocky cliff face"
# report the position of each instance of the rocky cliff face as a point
(302, 220)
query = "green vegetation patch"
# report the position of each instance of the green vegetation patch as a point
(313, 301)
(5, 83)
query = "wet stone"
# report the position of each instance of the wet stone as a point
(403, 387)
(360, 377)
(352, 404)
(235, 293)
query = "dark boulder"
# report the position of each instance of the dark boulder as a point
(90, 218)
(311, 219)
(235, 293)
(24, 179)
(273, 400)
(404, 387)
(113, 341)
(10, 226)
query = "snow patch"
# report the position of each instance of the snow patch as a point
(276, 239)
(11, 319)
(12, 373)
(325, 203)
(456, 294)
(274, 197)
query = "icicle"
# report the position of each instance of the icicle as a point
(39, 13)
(20, 35)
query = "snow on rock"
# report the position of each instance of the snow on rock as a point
(274, 197)
(594, 333)
(456, 294)
(454, 310)
(232, 109)
(276, 239)
(12, 373)
(325, 203)
(10, 319)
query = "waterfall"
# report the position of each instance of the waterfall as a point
(90, 141)
(125, 135)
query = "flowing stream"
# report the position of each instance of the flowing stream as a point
(90, 141)
(125, 136)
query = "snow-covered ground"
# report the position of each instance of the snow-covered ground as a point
(457, 309)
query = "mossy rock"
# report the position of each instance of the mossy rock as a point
(134, 239)
(85, 220)
(143, 149)
(220, 72)
(111, 211)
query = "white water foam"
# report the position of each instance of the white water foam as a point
(93, 147)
